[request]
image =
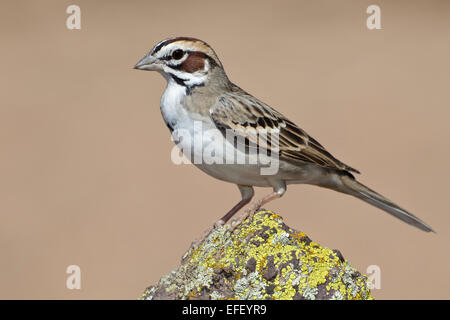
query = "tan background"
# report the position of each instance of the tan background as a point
(85, 170)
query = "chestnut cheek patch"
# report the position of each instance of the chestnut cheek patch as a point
(194, 62)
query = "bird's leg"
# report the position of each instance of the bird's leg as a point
(247, 193)
(277, 193)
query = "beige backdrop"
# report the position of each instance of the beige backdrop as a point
(85, 170)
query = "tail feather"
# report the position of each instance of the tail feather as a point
(353, 187)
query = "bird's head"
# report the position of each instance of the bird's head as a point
(188, 61)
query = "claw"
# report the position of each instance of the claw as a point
(247, 214)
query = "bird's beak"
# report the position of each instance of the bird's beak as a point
(146, 63)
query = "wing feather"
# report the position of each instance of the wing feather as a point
(247, 116)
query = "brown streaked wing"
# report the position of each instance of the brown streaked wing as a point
(246, 116)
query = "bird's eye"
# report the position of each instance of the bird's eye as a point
(177, 54)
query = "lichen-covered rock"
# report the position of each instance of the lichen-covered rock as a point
(262, 259)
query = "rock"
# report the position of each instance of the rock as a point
(262, 259)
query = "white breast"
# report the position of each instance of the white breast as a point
(172, 104)
(199, 135)
(187, 127)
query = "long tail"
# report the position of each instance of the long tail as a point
(354, 188)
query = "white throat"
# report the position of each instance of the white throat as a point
(172, 100)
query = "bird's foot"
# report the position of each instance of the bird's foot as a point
(247, 214)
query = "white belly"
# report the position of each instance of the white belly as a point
(206, 147)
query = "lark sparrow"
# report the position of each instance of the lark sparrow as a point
(199, 91)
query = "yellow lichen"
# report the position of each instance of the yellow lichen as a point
(314, 264)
